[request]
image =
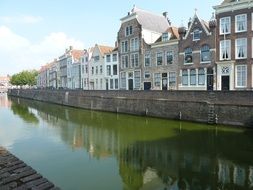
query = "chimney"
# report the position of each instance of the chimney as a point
(70, 47)
(116, 44)
(165, 14)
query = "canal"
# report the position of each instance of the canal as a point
(80, 149)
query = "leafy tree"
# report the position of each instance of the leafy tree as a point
(24, 78)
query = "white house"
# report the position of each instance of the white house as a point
(111, 70)
(96, 67)
(85, 61)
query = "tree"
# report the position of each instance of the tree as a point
(24, 78)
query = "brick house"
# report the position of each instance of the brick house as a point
(197, 55)
(234, 44)
(161, 62)
(138, 29)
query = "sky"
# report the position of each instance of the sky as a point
(34, 32)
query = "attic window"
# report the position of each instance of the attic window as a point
(196, 35)
(165, 37)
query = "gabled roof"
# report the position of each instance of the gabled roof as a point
(151, 21)
(173, 31)
(105, 49)
(77, 54)
(203, 23)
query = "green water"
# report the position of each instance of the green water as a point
(79, 149)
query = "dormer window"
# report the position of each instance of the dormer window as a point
(196, 35)
(165, 37)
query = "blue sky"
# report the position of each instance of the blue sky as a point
(33, 33)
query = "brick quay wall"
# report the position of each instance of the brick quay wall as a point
(221, 107)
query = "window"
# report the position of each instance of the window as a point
(165, 37)
(159, 58)
(129, 30)
(225, 25)
(169, 57)
(101, 69)
(241, 23)
(193, 77)
(108, 58)
(96, 58)
(114, 57)
(92, 70)
(196, 35)
(157, 78)
(124, 63)
(124, 47)
(108, 70)
(86, 68)
(116, 83)
(172, 79)
(123, 80)
(134, 46)
(241, 48)
(137, 79)
(225, 49)
(205, 54)
(188, 55)
(101, 84)
(96, 69)
(147, 60)
(115, 69)
(83, 69)
(241, 76)
(86, 59)
(147, 75)
(201, 77)
(135, 60)
(185, 77)
(111, 83)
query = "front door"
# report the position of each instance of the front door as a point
(130, 84)
(225, 83)
(147, 85)
(164, 81)
(210, 79)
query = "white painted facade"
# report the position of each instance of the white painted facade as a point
(85, 64)
(111, 71)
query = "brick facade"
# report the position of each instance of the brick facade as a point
(198, 37)
(231, 65)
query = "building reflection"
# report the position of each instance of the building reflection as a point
(4, 101)
(162, 157)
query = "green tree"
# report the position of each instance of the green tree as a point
(24, 78)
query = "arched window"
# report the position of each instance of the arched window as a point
(205, 53)
(196, 34)
(188, 55)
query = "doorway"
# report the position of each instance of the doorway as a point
(147, 85)
(225, 80)
(164, 81)
(130, 84)
(210, 79)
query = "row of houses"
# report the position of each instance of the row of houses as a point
(152, 54)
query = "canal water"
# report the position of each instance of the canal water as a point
(87, 150)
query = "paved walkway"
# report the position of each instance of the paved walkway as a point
(15, 174)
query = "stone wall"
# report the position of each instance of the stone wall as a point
(233, 108)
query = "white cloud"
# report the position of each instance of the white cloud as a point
(18, 53)
(23, 19)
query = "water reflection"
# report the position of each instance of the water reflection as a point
(24, 112)
(4, 102)
(154, 153)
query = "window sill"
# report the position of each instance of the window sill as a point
(240, 58)
(240, 31)
(205, 62)
(225, 59)
(188, 63)
(221, 34)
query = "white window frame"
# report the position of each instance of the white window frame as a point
(236, 20)
(229, 49)
(161, 53)
(236, 76)
(229, 28)
(245, 49)
(148, 55)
